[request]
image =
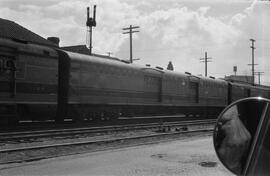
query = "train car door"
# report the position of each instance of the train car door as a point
(153, 88)
(8, 76)
(194, 91)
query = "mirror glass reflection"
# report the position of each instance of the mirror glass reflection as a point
(235, 131)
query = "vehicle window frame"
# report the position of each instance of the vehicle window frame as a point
(263, 126)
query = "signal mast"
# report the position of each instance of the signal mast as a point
(90, 22)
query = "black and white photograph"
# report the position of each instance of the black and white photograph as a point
(134, 88)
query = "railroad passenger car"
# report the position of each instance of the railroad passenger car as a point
(43, 83)
(100, 88)
(238, 91)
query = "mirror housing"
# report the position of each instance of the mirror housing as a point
(236, 130)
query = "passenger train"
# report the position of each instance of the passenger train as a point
(42, 83)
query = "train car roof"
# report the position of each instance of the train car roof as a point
(147, 69)
(248, 85)
(28, 48)
(99, 60)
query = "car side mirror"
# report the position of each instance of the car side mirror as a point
(236, 132)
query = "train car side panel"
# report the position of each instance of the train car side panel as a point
(28, 75)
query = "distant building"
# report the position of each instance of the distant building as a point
(82, 49)
(239, 78)
(13, 31)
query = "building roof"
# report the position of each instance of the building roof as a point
(82, 49)
(14, 31)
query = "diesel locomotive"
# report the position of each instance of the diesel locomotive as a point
(43, 83)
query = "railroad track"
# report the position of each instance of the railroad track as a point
(90, 130)
(32, 153)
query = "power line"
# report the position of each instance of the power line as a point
(130, 31)
(177, 48)
(263, 40)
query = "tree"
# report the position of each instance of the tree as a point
(170, 66)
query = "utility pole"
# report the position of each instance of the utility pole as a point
(130, 31)
(205, 60)
(91, 22)
(252, 63)
(259, 76)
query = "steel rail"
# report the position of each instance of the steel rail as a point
(87, 130)
(101, 141)
(93, 142)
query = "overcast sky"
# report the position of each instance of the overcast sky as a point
(170, 30)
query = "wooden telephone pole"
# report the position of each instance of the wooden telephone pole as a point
(252, 63)
(130, 31)
(205, 60)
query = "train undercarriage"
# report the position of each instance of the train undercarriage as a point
(12, 114)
